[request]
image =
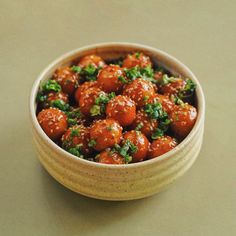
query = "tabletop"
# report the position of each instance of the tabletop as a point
(199, 33)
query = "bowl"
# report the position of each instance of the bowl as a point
(118, 182)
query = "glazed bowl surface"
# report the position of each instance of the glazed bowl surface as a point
(118, 182)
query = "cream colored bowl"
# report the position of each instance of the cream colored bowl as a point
(118, 182)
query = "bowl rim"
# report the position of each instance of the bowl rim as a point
(64, 153)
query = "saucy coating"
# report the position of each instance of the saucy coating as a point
(105, 133)
(109, 157)
(183, 118)
(139, 91)
(108, 78)
(93, 60)
(145, 124)
(166, 103)
(87, 99)
(161, 145)
(83, 87)
(136, 59)
(140, 141)
(76, 135)
(122, 109)
(67, 79)
(53, 122)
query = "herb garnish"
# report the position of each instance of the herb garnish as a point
(60, 104)
(139, 126)
(188, 89)
(100, 103)
(76, 151)
(145, 73)
(76, 69)
(92, 143)
(126, 150)
(123, 80)
(73, 116)
(51, 85)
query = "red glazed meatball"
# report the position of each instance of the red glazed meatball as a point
(84, 87)
(109, 157)
(76, 135)
(183, 118)
(105, 133)
(141, 142)
(166, 103)
(122, 109)
(139, 91)
(53, 122)
(146, 124)
(173, 87)
(137, 59)
(93, 60)
(67, 79)
(161, 145)
(108, 78)
(87, 100)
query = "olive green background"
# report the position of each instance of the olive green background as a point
(201, 34)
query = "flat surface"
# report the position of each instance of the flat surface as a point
(200, 33)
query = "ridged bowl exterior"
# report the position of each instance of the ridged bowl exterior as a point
(118, 182)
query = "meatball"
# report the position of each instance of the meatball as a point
(67, 79)
(137, 59)
(139, 91)
(93, 60)
(166, 103)
(108, 78)
(183, 118)
(109, 157)
(173, 87)
(53, 122)
(105, 133)
(122, 109)
(88, 98)
(84, 87)
(161, 145)
(53, 96)
(145, 124)
(75, 136)
(141, 143)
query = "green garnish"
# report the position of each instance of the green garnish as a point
(51, 85)
(100, 103)
(76, 151)
(92, 143)
(41, 97)
(95, 110)
(74, 133)
(145, 73)
(76, 69)
(174, 98)
(139, 127)
(188, 89)
(137, 55)
(166, 80)
(122, 79)
(60, 104)
(154, 110)
(89, 72)
(125, 150)
(157, 133)
(73, 116)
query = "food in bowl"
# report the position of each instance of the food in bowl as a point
(117, 111)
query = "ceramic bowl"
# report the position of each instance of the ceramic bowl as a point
(118, 182)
